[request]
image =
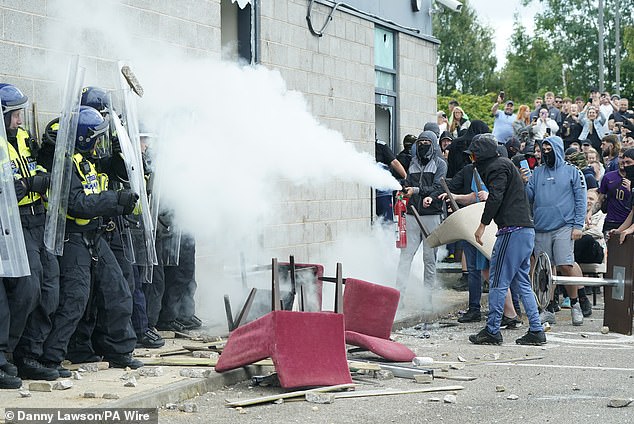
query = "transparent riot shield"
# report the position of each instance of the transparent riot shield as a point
(13, 259)
(63, 160)
(170, 237)
(142, 231)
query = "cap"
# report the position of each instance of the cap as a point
(586, 143)
(510, 102)
(569, 151)
(615, 97)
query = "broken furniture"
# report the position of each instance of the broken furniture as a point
(304, 284)
(369, 310)
(307, 348)
(618, 299)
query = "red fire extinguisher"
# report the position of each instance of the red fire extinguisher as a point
(401, 231)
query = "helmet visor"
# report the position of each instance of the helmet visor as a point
(100, 140)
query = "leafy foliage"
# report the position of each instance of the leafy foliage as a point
(571, 32)
(477, 107)
(466, 56)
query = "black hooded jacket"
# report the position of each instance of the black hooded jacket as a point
(507, 203)
(456, 160)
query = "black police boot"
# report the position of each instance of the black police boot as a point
(191, 323)
(10, 369)
(171, 326)
(150, 339)
(120, 360)
(32, 369)
(9, 381)
(63, 372)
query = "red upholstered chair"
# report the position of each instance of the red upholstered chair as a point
(369, 310)
(307, 348)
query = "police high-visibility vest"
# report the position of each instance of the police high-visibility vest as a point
(92, 182)
(24, 164)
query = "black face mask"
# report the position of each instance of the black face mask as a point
(629, 172)
(549, 158)
(421, 153)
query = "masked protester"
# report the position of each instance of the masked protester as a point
(95, 301)
(32, 298)
(423, 187)
(508, 205)
(557, 191)
(615, 197)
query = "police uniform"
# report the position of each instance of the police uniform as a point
(35, 296)
(95, 300)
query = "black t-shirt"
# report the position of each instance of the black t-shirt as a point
(383, 153)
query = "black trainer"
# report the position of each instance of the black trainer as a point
(119, 360)
(9, 369)
(191, 323)
(510, 323)
(9, 381)
(150, 340)
(472, 315)
(63, 372)
(486, 338)
(32, 369)
(586, 306)
(533, 338)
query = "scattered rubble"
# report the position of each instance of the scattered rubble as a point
(196, 372)
(63, 385)
(500, 388)
(619, 403)
(605, 329)
(189, 407)
(110, 396)
(150, 371)
(90, 395)
(40, 386)
(315, 397)
(424, 378)
(512, 397)
(76, 375)
(450, 399)
(25, 393)
(131, 382)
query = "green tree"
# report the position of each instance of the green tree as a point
(532, 66)
(571, 29)
(466, 56)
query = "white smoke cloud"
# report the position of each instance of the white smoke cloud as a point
(235, 141)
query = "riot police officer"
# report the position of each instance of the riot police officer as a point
(38, 292)
(95, 299)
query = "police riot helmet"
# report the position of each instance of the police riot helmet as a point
(95, 97)
(50, 133)
(12, 98)
(92, 133)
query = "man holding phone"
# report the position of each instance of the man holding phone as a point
(503, 122)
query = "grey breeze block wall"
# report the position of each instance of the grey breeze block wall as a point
(335, 73)
(36, 42)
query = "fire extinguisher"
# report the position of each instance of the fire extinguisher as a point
(401, 231)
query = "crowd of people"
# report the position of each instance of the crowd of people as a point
(556, 178)
(94, 301)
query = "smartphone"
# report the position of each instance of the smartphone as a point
(502, 95)
(524, 165)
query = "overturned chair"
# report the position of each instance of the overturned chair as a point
(307, 348)
(368, 311)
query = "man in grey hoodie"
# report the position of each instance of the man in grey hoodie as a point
(423, 187)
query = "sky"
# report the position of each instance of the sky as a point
(499, 16)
